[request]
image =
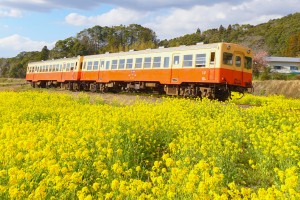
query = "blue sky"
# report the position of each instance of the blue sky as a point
(28, 25)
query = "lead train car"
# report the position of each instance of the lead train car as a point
(212, 70)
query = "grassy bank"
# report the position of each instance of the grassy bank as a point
(289, 88)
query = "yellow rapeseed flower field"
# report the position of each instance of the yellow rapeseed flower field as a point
(57, 146)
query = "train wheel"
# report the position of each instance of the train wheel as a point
(93, 87)
(222, 94)
(33, 84)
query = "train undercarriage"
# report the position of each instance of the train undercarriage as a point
(218, 91)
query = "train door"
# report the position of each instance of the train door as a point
(60, 72)
(101, 68)
(73, 71)
(34, 72)
(63, 74)
(175, 66)
(238, 69)
(212, 65)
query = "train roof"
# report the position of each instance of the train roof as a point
(158, 50)
(56, 60)
(146, 51)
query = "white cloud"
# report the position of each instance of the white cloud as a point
(115, 16)
(182, 21)
(10, 13)
(14, 44)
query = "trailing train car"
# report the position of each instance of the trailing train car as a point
(212, 70)
(53, 73)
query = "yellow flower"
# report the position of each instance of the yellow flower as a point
(138, 169)
(96, 186)
(169, 162)
(115, 184)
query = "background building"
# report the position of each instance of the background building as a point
(287, 65)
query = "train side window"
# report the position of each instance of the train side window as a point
(95, 66)
(60, 67)
(147, 62)
(156, 62)
(166, 62)
(200, 60)
(107, 65)
(212, 58)
(47, 66)
(76, 66)
(138, 62)
(114, 64)
(64, 67)
(68, 67)
(187, 60)
(102, 64)
(89, 65)
(248, 62)
(227, 58)
(238, 61)
(129, 63)
(121, 64)
(72, 66)
(176, 60)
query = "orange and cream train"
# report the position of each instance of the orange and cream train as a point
(212, 70)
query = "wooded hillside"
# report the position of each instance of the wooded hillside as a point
(279, 37)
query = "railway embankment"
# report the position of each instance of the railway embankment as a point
(290, 88)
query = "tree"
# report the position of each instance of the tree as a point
(17, 71)
(4, 67)
(259, 62)
(44, 55)
(293, 46)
